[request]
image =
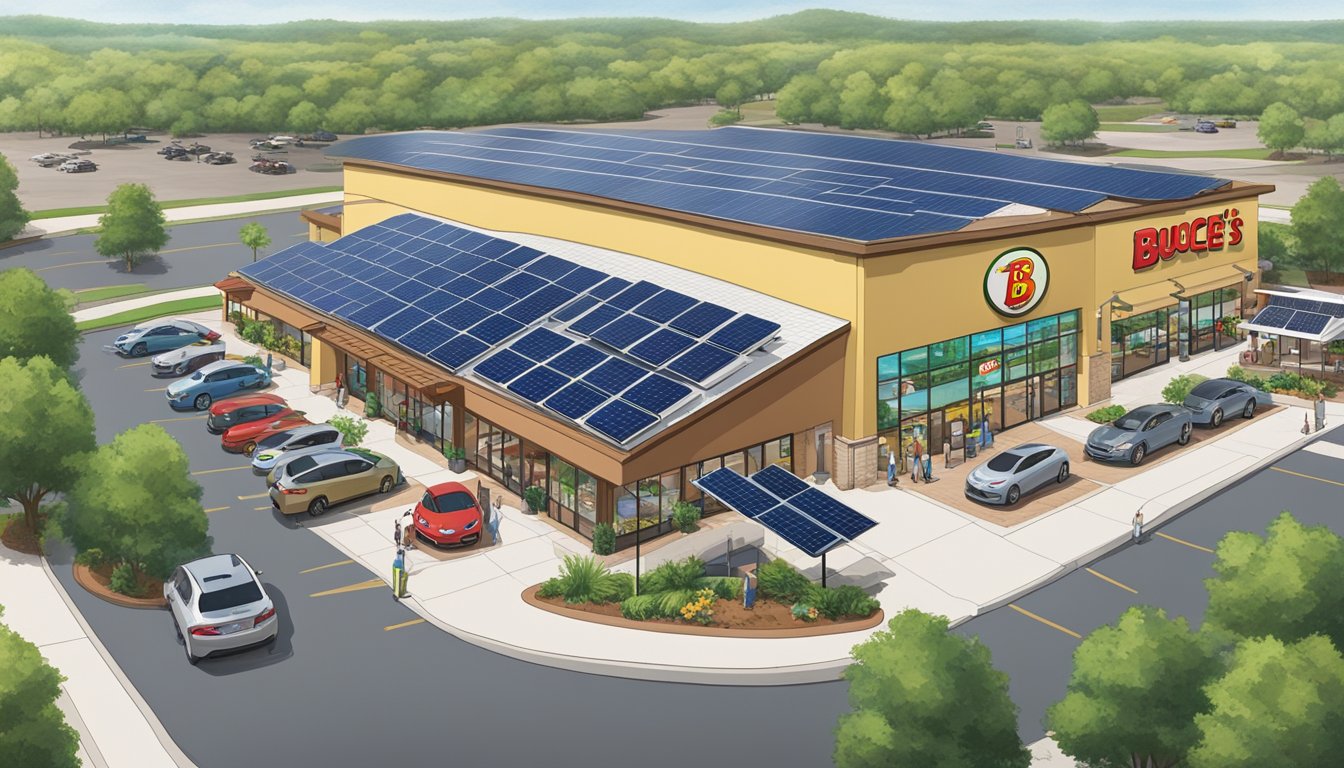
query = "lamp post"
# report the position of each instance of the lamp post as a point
(638, 532)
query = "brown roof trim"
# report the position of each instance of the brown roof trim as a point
(234, 284)
(1233, 191)
(323, 220)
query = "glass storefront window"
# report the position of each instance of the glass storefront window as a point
(948, 385)
(1014, 336)
(987, 343)
(585, 493)
(469, 428)
(1044, 328)
(562, 482)
(780, 452)
(1068, 322)
(671, 491)
(356, 376)
(914, 360)
(947, 352)
(755, 459)
(988, 372)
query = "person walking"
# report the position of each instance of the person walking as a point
(891, 468)
(496, 514)
(917, 451)
(1138, 526)
(407, 526)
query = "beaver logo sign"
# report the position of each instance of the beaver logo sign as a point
(1016, 281)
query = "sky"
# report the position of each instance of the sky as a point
(269, 11)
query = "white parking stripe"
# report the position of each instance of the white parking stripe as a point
(1324, 448)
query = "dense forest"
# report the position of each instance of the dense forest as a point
(830, 67)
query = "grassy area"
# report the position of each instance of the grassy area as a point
(1124, 113)
(1288, 275)
(53, 213)
(131, 316)
(1231, 154)
(759, 112)
(86, 295)
(1138, 127)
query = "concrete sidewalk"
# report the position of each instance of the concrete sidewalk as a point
(64, 224)
(117, 307)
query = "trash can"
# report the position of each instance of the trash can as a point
(749, 590)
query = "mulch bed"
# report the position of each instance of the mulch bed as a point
(98, 579)
(18, 537)
(1320, 278)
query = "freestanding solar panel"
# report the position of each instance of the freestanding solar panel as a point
(502, 367)
(1308, 322)
(744, 334)
(831, 513)
(657, 394)
(798, 530)
(614, 376)
(576, 400)
(1276, 317)
(737, 492)
(620, 421)
(779, 481)
(538, 384)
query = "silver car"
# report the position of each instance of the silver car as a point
(219, 607)
(283, 447)
(1017, 471)
(182, 361)
(1140, 432)
(1210, 401)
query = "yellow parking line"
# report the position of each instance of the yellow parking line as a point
(410, 623)
(70, 264)
(1309, 477)
(215, 509)
(178, 418)
(254, 496)
(1109, 580)
(135, 365)
(328, 565)
(370, 584)
(258, 509)
(157, 389)
(225, 469)
(1183, 541)
(195, 248)
(1046, 622)
(160, 253)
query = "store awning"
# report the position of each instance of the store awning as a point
(348, 342)
(1159, 294)
(434, 387)
(279, 310)
(236, 286)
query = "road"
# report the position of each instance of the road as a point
(1166, 570)
(196, 254)
(345, 686)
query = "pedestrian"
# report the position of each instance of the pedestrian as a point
(496, 514)
(340, 392)
(1138, 526)
(917, 451)
(399, 575)
(407, 530)
(891, 467)
(928, 467)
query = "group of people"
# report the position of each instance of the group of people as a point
(403, 536)
(920, 469)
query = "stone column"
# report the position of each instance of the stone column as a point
(855, 462)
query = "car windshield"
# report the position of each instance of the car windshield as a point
(1209, 389)
(301, 464)
(230, 597)
(1004, 462)
(1131, 420)
(452, 501)
(273, 440)
(197, 376)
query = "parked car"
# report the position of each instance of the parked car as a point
(1226, 122)
(323, 136)
(48, 159)
(271, 167)
(1212, 400)
(332, 478)
(78, 166)
(215, 381)
(1017, 471)
(1205, 126)
(984, 125)
(175, 152)
(219, 606)
(171, 146)
(283, 447)
(161, 336)
(198, 149)
(219, 158)
(241, 410)
(1140, 432)
(182, 361)
(449, 515)
(1022, 143)
(243, 437)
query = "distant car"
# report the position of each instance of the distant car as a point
(161, 336)
(331, 478)
(78, 166)
(219, 606)
(174, 152)
(1140, 432)
(1226, 122)
(48, 159)
(1210, 401)
(984, 126)
(323, 136)
(1022, 143)
(1017, 471)
(198, 149)
(182, 361)
(1204, 126)
(241, 410)
(174, 145)
(243, 438)
(282, 448)
(219, 158)
(215, 381)
(449, 515)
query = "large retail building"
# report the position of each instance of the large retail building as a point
(744, 297)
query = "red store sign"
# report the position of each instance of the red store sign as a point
(1199, 235)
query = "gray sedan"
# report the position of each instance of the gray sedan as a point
(1139, 432)
(1004, 478)
(1210, 401)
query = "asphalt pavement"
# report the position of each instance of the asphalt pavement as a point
(356, 680)
(1033, 638)
(196, 254)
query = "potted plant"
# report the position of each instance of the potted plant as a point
(372, 406)
(457, 458)
(535, 496)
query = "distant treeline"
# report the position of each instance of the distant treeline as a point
(825, 66)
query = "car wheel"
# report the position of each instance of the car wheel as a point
(1063, 475)
(1014, 494)
(193, 660)
(1137, 455)
(1249, 411)
(318, 507)
(1217, 419)
(139, 350)
(1184, 439)
(202, 402)
(249, 448)
(386, 485)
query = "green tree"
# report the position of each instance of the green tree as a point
(911, 688)
(34, 320)
(861, 102)
(1327, 136)
(1285, 584)
(352, 429)
(106, 111)
(46, 430)
(1134, 693)
(1280, 127)
(33, 731)
(254, 236)
(1318, 226)
(136, 501)
(1279, 704)
(1075, 121)
(187, 124)
(133, 227)
(1271, 244)
(305, 117)
(13, 217)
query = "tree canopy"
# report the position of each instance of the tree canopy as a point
(33, 731)
(133, 227)
(254, 236)
(1281, 127)
(926, 698)
(13, 217)
(1075, 121)
(1318, 226)
(34, 320)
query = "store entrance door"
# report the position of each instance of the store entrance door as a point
(1022, 401)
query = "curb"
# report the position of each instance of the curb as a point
(175, 753)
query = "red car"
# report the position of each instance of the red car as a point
(240, 410)
(244, 437)
(449, 515)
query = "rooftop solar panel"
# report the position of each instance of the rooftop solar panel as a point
(736, 492)
(614, 376)
(620, 421)
(463, 286)
(665, 306)
(779, 481)
(575, 401)
(402, 322)
(494, 249)
(492, 299)
(634, 295)
(471, 241)
(595, 319)
(657, 394)
(624, 331)
(699, 320)
(581, 279)
(798, 530)
(375, 311)
(702, 362)
(1308, 322)
(426, 337)
(521, 284)
(578, 359)
(463, 315)
(540, 345)
(439, 277)
(609, 287)
(491, 272)
(550, 267)
(411, 290)
(462, 263)
(495, 329)
(458, 351)
(538, 384)
(503, 366)
(519, 256)
(328, 302)
(539, 304)
(1276, 317)
(831, 513)
(437, 301)
(745, 333)
(660, 346)
(575, 308)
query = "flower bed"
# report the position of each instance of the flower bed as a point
(98, 580)
(15, 534)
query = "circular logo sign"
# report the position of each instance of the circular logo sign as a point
(1016, 281)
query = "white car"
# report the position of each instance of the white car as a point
(283, 447)
(180, 362)
(77, 166)
(219, 606)
(48, 159)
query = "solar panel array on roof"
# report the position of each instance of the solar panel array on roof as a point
(451, 295)
(850, 187)
(1286, 315)
(802, 515)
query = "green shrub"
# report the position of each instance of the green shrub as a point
(1179, 387)
(1106, 415)
(255, 360)
(724, 117)
(725, 587)
(1288, 381)
(1237, 373)
(123, 581)
(780, 581)
(804, 611)
(604, 539)
(371, 406)
(674, 575)
(685, 516)
(668, 605)
(90, 558)
(583, 579)
(535, 496)
(640, 607)
(352, 429)
(551, 587)
(839, 602)
(1328, 389)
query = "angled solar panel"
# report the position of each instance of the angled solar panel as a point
(540, 345)
(411, 291)
(463, 315)
(520, 284)
(657, 394)
(575, 308)
(458, 351)
(780, 482)
(437, 301)
(798, 530)
(609, 287)
(581, 279)
(614, 376)
(539, 304)
(463, 286)
(744, 334)
(426, 337)
(594, 319)
(1276, 317)
(736, 492)
(624, 331)
(494, 249)
(401, 322)
(519, 256)
(831, 513)
(575, 400)
(1308, 322)
(635, 295)
(495, 329)
(701, 319)
(660, 346)
(578, 360)
(502, 367)
(538, 384)
(665, 306)
(704, 363)
(377, 310)
(550, 267)
(620, 421)
(492, 299)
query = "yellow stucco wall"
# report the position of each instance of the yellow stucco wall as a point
(323, 365)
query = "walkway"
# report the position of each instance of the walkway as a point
(64, 224)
